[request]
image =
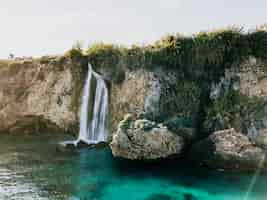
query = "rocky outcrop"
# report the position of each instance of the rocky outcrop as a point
(144, 140)
(40, 95)
(156, 94)
(239, 99)
(253, 83)
(230, 150)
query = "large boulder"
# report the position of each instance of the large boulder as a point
(229, 150)
(144, 140)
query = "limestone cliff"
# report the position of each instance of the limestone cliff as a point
(45, 94)
(239, 99)
(40, 95)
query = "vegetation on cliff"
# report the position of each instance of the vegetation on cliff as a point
(205, 53)
(233, 110)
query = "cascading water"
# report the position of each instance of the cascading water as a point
(94, 109)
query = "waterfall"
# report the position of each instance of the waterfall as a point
(94, 109)
(93, 122)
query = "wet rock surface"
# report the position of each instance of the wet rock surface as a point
(79, 144)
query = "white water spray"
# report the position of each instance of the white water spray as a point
(94, 109)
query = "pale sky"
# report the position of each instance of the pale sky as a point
(41, 27)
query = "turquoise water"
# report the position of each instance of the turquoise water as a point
(31, 167)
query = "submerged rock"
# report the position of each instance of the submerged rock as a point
(72, 145)
(228, 149)
(143, 139)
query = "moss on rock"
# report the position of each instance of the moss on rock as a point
(126, 122)
(233, 110)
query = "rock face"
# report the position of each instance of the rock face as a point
(144, 140)
(40, 95)
(239, 100)
(43, 95)
(230, 150)
(253, 83)
(151, 93)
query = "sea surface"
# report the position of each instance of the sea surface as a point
(32, 168)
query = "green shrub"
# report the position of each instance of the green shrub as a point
(136, 57)
(258, 43)
(107, 55)
(182, 97)
(178, 122)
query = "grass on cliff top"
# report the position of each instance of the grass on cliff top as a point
(220, 48)
(24, 60)
(104, 54)
(209, 50)
(4, 63)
